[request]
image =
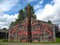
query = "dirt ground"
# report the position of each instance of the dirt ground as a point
(25, 44)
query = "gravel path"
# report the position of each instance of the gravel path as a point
(25, 44)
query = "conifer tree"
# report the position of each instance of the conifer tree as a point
(49, 21)
(22, 14)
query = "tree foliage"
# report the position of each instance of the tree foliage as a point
(49, 21)
(12, 24)
(4, 29)
(22, 14)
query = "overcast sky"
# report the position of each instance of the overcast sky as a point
(44, 10)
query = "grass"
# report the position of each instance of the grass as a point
(57, 40)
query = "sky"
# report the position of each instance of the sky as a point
(44, 10)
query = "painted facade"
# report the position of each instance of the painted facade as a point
(41, 31)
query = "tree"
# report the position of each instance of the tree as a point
(12, 24)
(21, 15)
(4, 29)
(16, 21)
(32, 12)
(24, 13)
(49, 21)
(19, 19)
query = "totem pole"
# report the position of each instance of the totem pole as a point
(29, 24)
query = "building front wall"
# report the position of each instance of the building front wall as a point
(41, 31)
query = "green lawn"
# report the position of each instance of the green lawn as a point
(57, 40)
